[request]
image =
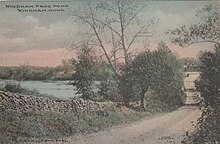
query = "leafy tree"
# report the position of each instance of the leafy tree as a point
(158, 70)
(209, 83)
(208, 129)
(206, 31)
(85, 70)
(170, 81)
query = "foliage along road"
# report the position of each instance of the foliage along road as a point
(160, 129)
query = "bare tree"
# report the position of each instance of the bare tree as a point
(115, 27)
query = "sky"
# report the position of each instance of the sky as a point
(45, 38)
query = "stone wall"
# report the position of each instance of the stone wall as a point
(32, 103)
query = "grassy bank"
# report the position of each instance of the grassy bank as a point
(15, 125)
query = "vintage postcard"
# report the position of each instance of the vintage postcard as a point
(109, 72)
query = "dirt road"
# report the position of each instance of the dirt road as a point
(161, 129)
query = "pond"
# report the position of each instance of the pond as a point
(59, 89)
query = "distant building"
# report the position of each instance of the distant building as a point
(192, 95)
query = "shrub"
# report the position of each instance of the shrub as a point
(13, 87)
(208, 129)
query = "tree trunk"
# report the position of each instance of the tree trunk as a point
(143, 91)
(126, 57)
(142, 99)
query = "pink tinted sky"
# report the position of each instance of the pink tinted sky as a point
(40, 39)
(49, 58)
(54, 57)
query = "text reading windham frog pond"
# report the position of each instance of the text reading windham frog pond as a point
(38, 8)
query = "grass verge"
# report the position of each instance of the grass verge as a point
(46, 124)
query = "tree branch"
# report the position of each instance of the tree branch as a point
(101, 44)
(111, 28)
(204, 41)
(135, 36)
(130, 20)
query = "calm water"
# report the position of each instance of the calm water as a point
(60, 89)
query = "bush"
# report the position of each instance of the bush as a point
(208, 129)
(154, 104)
(13, 87)
(108, 90)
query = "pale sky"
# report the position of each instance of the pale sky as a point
(42, 39)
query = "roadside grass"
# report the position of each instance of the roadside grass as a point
(47, 124)
(156, 106)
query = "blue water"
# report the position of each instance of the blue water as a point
(60, 89)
